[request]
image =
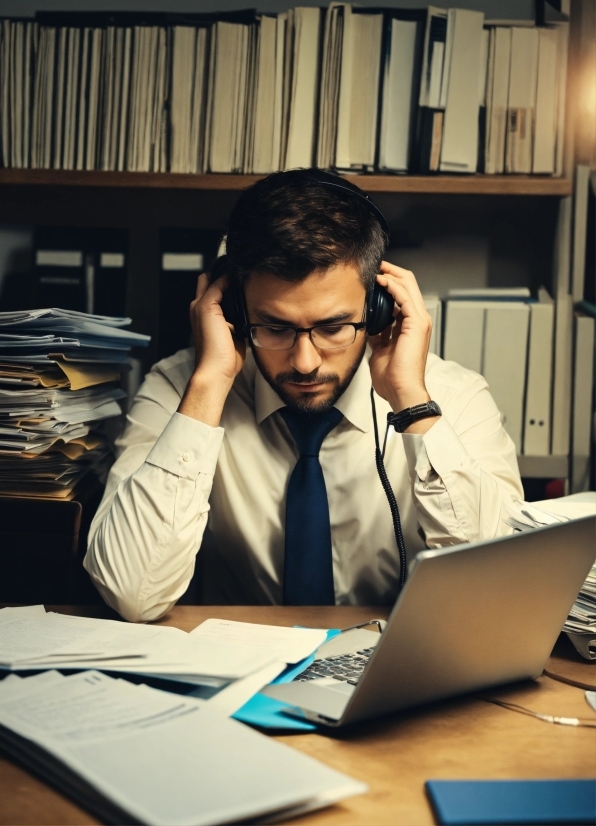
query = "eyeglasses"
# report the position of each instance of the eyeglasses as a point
(327, 337)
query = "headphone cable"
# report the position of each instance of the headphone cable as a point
(379, 456)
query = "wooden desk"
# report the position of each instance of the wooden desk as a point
(462, 738)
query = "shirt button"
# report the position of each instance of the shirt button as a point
(185, 457)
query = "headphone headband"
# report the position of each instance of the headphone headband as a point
(358, 193)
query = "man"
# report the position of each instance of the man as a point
(263, 457)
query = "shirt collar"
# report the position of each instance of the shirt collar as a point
(354, 403)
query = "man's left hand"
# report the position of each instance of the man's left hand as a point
(398, 359)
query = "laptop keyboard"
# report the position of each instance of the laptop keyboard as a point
(345, 667)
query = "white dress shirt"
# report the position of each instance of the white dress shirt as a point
(179, 485)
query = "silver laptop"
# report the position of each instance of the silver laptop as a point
(469, 617)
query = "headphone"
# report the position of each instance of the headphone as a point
(379, 304)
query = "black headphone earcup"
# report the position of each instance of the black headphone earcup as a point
(379, 310)
(234, 310)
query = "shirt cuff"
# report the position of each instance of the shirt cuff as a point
(439, 449)
(187, 447)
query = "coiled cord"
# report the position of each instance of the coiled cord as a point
(379, 456)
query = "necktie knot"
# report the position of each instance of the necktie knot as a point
(308, 431)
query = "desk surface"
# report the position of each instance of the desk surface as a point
(462, 738)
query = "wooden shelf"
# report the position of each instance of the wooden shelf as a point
(432, 184)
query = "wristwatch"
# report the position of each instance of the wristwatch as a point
(405, 418)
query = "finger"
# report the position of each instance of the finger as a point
(399, 293)
(202, 286)
(402, 293)
(405, 277)
(210, 293)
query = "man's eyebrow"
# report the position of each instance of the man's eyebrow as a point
(267, 318)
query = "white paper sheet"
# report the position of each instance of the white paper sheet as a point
(164, 758)
(22, 611)
(234, 696)
(59, 641)
(289, 645)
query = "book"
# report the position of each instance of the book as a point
(537, 413)
(303, 33)
(562, 370)
(429, 127)
(232, 46)
(59, 269)
(400, 90)
(522, 99)
(504, 362)
(545, 125)
(582, 446)
(358, 90)
(463, 67)
(331, 57)
(497, 98)
(562, 55)
(267, 117)
(464, 333)
(83, 269)
(189, 46)
(580, 231)
(513, 801)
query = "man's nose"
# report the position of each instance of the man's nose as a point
(305, 358)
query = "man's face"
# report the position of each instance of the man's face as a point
(305, 377)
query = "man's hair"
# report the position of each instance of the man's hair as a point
(291, 224)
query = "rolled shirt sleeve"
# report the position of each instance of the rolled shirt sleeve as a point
(463, 469)
(145, 536)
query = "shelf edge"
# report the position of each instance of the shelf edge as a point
(439, 184)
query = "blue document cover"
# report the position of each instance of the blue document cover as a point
(268, 713)
(513, 801)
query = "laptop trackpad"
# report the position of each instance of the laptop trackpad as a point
(328, 701)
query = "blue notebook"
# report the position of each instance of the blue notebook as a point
(513, 801)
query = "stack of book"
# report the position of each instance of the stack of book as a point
(59, 380)
(351, 88)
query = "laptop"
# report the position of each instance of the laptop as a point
(469, 617)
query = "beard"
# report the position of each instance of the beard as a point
(305, 403)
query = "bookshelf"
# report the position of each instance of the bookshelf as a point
(530, 185)
(146, 202)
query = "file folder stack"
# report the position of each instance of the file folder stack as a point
(522, 516)
(59, 375)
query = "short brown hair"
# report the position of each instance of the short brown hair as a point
(291, 224)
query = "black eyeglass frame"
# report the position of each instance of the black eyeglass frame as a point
(357, 325)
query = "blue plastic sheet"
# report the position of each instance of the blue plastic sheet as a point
(266, 712)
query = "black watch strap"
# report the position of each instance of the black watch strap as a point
(405, 418)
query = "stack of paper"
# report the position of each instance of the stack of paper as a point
(238, 656)
(134, 754)
(58, 374)
(524, 516)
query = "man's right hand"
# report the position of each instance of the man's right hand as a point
(219, 355)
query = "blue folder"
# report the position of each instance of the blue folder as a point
(267, 713)
(513, 801)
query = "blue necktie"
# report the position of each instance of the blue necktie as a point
(308, 564)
